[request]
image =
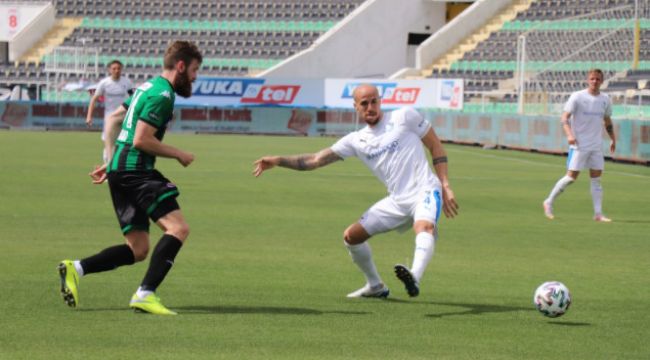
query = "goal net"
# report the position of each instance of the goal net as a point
(553, 56)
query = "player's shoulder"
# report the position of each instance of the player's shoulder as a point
(104, 81)
(408, 117)
(578, 96)
(405, 111)
(157, 88)
(605, 96)
(354, 136)
(126, 81)
(398, 116)
(580, 93)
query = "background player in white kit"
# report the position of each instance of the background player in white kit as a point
(391, 147)
(585, 115)
(115, 88)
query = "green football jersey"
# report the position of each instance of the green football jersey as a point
(153, 103)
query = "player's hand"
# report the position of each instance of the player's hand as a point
(99, 174)
(264, 164)
(612, 146)
(571, 140)
(449, 205)
(89, 121)
(185, 158)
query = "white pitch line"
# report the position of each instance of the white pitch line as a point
(541, 163)
(492, 156)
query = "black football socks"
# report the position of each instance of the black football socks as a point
(108, 259)
(161, 262)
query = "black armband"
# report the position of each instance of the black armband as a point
(438, 160)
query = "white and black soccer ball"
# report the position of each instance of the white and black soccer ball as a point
(552, 299)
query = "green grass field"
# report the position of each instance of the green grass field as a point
(264, 273)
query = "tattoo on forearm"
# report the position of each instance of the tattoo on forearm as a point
(610, 129)
(439, 160)
(302, 165)
(327, 157)
(298, 162)
(309, 161)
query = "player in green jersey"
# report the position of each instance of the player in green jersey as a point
(134, 136)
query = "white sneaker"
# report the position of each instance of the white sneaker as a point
(377, 291)
(548, 209)
(602, 218)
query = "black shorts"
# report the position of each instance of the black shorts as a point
(140, 195)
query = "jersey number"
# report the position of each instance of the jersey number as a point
(129, 118)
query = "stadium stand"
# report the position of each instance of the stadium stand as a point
(238, 38)
(599, 31)
(243, 38)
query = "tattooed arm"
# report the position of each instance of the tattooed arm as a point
(296, 162)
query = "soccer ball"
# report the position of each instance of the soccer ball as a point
(552, 299)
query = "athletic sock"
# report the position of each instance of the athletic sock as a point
(362, 256)
(161, 262)
(78, 267)
(424, 247)
(141, 293)
(108, 259)
(597, 195)
(559, 187)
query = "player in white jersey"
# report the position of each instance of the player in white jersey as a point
(391, 147)
(585, 115)
(115, 89)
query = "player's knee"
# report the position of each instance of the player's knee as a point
(140, 252)
(420, 228)
(181, 231)
(347, 238)
(422, 225)
(352, 238)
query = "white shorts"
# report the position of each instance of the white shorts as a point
(388, 214)
(581, 159)
(104, 126)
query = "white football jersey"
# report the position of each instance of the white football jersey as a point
(114, 92)
(393, 151)
(587, 114)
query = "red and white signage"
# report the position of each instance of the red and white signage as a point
(319, 93)
(271, 94)
(425, 93)
(255, 92)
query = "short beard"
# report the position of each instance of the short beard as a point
(375, 122)
(183, 85)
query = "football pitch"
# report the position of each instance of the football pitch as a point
(264, 272)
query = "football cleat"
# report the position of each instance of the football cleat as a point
(602, 218)
(405, 276)
(149, 304)
(377, 291)
(69, 282)
(548, 209)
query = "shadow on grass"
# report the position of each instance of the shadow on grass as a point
(270, 310)
(632, 221)
(476, 309)
(479, 309)
(226, 309)
(568, 323)
(469, 309)
(121, 308)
